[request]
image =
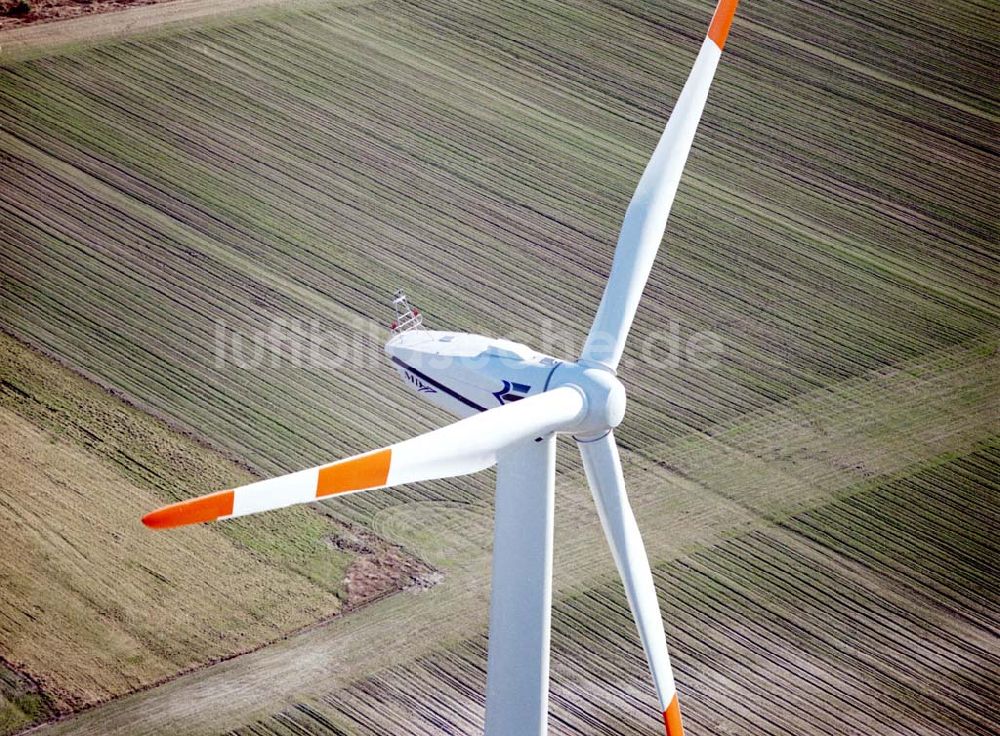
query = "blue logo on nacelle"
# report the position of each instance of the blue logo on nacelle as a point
(512, 392)
(420, 385)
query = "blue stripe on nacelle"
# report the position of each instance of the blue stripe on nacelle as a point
(438, 385)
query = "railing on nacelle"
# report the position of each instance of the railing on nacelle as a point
(407, 317)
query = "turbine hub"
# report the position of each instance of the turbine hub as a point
(604, 395)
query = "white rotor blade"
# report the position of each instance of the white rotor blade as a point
(517, 680)
(464, 447)
(604, 473)
(646, 218)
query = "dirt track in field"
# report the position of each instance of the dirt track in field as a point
(67, 23)
(49, 11)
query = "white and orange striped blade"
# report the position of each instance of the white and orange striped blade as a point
(646, 218)
(607, 484)
(467, 446)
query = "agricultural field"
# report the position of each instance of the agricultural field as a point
(208, 220)
(94, 606)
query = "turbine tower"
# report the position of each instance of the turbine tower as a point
(512, 402)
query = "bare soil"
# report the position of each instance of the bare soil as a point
(379, 569)
(12, 14)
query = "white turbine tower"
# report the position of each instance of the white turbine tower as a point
(514, 401)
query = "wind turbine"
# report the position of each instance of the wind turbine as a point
(514, 401)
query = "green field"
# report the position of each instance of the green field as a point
(819, 505)
(95, 606)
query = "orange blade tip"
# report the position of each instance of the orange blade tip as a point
(672, 718)
(721, 22)
(193, 511)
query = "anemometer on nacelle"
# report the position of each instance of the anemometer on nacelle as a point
(407, 317)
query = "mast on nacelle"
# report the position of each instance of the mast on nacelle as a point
(407, 317)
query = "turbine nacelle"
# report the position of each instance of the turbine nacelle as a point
(466, 374)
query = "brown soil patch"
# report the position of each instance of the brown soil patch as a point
(15, 13)
(380, 568)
